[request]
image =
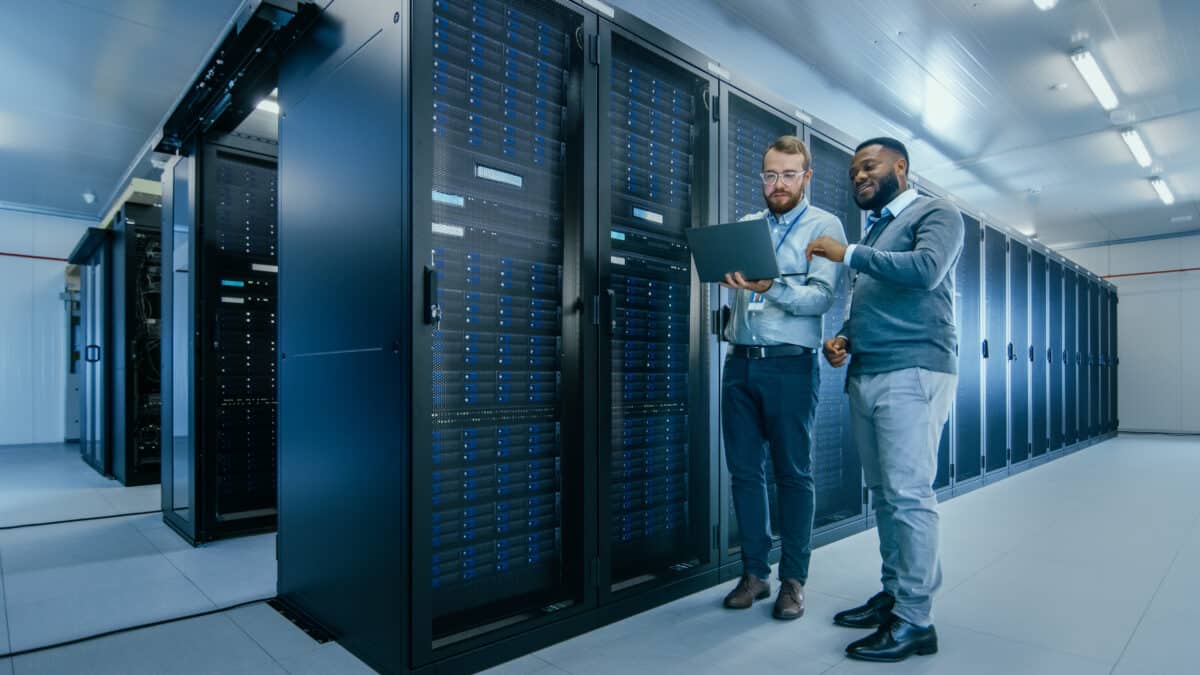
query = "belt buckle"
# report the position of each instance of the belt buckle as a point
(757, 353)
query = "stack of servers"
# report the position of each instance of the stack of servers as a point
(244, 266)
(499, 85)
(147, 384)
(651, 116)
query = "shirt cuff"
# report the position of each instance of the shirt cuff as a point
(849, 254)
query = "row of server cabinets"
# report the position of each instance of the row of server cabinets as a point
(499, 375)
(219, 356)
(120, 399)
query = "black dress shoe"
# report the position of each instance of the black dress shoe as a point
(895, 640)
(870, 615)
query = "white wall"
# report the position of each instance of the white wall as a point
(1158, 328)
(33, 328)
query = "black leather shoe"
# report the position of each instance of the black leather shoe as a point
(895, 640)
(870, 615)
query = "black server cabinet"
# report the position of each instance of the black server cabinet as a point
(1102, 359)
(1114, 361)
(1095, 358)
(994, 357)
(942, 480)
(968, 432)
(1083, 339)
(1070, 357)
(1020, 353)
(136, 385)
(219, 338)
(93, 254)
(657, 351)
(749, 128)
(1039, 355)
(836, 464)
(1056, 354)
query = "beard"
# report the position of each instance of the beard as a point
(886, 190)
(793, 199)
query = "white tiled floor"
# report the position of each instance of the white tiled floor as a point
(1086, 565)
(50, 482)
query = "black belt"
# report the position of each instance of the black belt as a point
(767, 352)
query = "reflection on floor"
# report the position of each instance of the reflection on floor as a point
(49, 482)
(72, 580)
(1086, 565)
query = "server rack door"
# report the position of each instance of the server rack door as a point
(1083, 339)
(178, 346)
(994, 352)
(1102, 359)
(94, 436)
(837, 469)
(1039, 354)
(237, 287)
(1095, 327)
(1114, 360)
(499, 460)
(748, 130)
(945, 447)
(654, 467)
(1070, 357)
(968, 448)
(1056, 355)
(1019, 352)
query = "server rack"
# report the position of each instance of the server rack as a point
(1114, 361)
(942, 481)
(1040, 354)
(93, 254)
(836, 463)
(656, 130)
(136, 384)
(995, 314)
(1083, 339)
(1056, 354)
(750, 127)
(968, 420)
(1070, 356)
(219, 339)
(1020, 353)
(1095, 358)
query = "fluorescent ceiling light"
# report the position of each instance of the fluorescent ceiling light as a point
(268, 105)
(1164, 192)
(1045, 5)
(1136, 147)
(1090, 71)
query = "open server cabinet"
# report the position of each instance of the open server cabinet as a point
(219, 335)
(119, 295)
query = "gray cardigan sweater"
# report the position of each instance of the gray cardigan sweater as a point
(902, 306)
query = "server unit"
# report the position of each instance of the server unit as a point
(1040, 355)
(1020, 353)
(219, 338)
(1071, 358)
(120, 274)
(1056, 354)
(1114, 361)
(995, 358)
(967, 415)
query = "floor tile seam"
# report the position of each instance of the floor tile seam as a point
(1154, 595)
(253, 639)
(75, 521)
(1000, 558)
(176, 568)
(1027, 643)
(4, 608)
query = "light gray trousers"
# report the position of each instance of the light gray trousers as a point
(897, 419)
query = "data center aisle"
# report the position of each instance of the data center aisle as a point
(49, 482)
(1084, 565)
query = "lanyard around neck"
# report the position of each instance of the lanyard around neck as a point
(790, 226)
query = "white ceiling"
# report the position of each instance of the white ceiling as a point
(85, 83)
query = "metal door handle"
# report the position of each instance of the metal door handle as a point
(985, 349)
(88, 353)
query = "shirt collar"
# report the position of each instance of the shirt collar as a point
(790, 215)
(900, 202)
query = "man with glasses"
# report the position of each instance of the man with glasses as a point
(771, 377)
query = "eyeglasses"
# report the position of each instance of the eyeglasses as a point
(787, 177)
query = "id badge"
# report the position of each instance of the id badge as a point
(757, 302)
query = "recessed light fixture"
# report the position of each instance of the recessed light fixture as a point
(1045, 5)
(1163, 190)
(1090, 71)
(268, 105)
(1182, 219)
(1137, 147)
(89, 197)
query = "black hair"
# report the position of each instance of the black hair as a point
(889, 143)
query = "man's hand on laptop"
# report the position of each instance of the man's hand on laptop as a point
(737, 281)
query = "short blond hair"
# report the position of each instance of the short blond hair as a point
(792, 145)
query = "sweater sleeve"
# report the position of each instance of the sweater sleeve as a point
(814, 295)
(938, 238)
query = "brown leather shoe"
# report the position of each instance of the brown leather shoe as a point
(749, 589)
(790, 602)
